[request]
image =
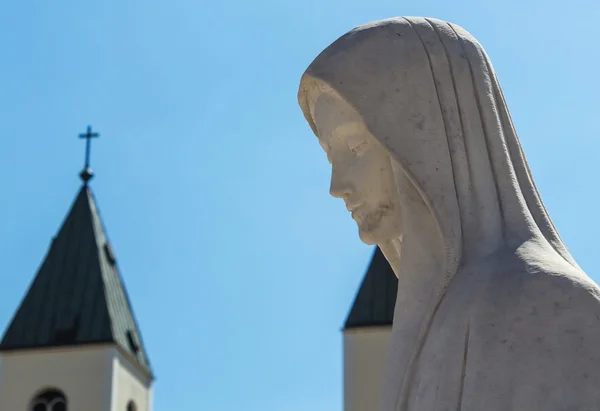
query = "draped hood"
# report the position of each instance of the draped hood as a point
(427, 91)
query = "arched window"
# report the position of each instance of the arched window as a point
(49, 400)
(131, 406)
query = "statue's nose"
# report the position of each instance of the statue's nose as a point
(339, 187)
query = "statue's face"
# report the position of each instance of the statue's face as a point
(361, 169)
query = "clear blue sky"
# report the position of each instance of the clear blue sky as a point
(214, 192)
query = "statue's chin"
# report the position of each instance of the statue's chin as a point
(379, 233)
(366, 237)
(368, 227)
(372, 236)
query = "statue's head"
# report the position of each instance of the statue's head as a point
(362, 173)
(410, 113)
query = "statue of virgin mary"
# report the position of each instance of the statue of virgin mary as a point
(492, 312)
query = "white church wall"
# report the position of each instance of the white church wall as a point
(83, 374)
(1, 378)
(365, 356)
(129, 384)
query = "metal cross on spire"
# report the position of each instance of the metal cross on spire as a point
(87, 173)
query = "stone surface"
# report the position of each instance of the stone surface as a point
(492, 311)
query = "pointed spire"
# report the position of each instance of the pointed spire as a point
(87, 173)
(78, 296)
(376, 298)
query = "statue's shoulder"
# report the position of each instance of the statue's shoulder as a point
(543, 295)
(538, 321)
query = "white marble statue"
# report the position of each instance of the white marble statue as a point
(492, 313)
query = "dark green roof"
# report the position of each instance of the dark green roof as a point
(77, 296)
(374, 303)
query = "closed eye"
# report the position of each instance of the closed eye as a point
(357, 145)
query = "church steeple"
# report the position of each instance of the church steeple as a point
(367, 336)
(376, 298)
(78, 296)
(74, 342)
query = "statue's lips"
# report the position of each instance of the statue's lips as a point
(353, 207)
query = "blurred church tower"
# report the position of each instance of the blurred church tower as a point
(74, 344)
(367, 334)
